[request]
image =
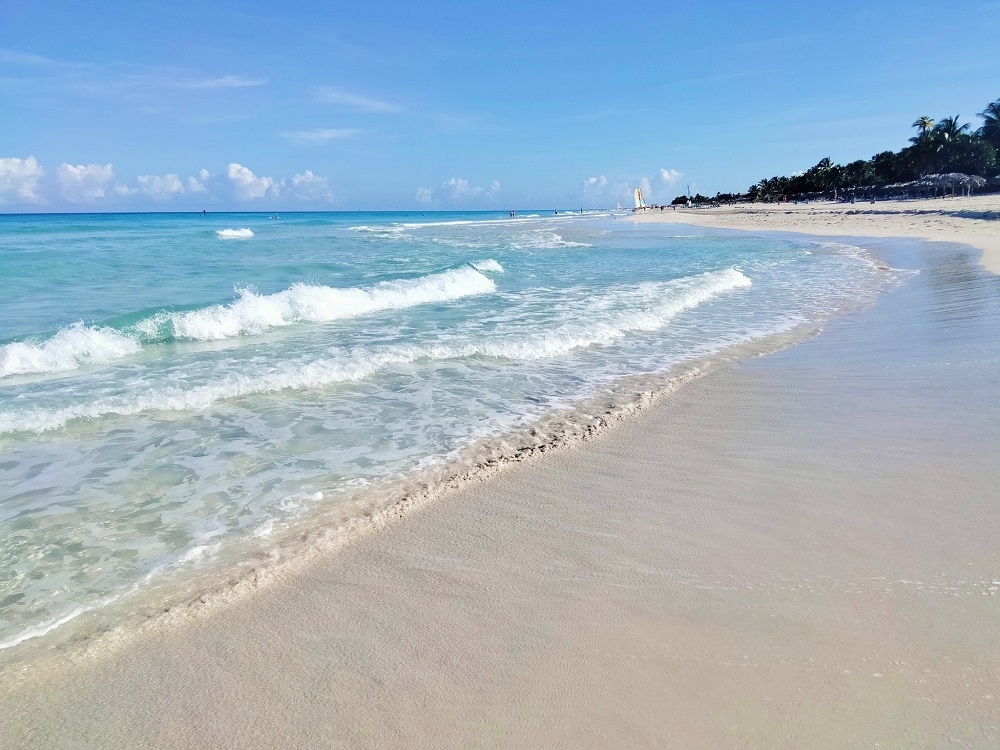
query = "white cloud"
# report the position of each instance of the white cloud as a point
(593, 187)
(223, 82)
(670, 176)
(249, 186)
(26, 58)
(19, 180)
(84, 182)
(197, 184)
(424, 195)
(165, 187)
(647, 190)
(457, 189)
(308, 186)
(115, 79)
(354, 101)
(320, 135)
(160, 188)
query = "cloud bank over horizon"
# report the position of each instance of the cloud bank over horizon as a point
(26, 184)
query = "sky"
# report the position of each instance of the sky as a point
(222, 105)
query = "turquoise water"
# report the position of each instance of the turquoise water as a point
(174, 386)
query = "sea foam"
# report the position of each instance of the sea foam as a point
(295, 375)
(71, 348)
(543, 240)
(488, 265)
(649, 306)
(234, 234)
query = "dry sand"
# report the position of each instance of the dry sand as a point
(797, 552)
(973, 221)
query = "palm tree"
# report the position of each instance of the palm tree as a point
(949, 130)
(990, 131)
(923, 124)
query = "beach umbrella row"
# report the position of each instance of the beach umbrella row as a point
(949, 182)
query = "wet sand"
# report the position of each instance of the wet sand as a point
(973, 220)
(798, 551)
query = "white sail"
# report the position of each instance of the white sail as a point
(639, 202)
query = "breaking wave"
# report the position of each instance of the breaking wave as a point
(488, 265)
(234, 234)
(71, 348)
(649, 306)
(314, 303)
(77, 346)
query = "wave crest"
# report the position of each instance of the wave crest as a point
(488, 265)
(77, 345)
(234, 234)
(314, 303)
(71, 348)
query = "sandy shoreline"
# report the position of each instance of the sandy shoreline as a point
(796, 552)
(971, 221)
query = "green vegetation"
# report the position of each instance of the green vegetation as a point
(942, 155)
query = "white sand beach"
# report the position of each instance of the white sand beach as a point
(971, 220)
(796, 551)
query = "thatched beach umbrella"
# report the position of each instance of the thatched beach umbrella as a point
(950, 181)
(975, 183)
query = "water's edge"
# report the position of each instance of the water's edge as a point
(329, 530)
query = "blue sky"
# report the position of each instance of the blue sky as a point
(148, 105)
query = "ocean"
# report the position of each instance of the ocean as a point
(184, 397)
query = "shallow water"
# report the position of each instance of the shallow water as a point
(176, 388)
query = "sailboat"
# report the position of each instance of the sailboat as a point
(639, 202)
(619, 206)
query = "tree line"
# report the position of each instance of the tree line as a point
(944, 146)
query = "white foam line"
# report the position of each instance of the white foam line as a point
(234, 234)
(39, 630)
